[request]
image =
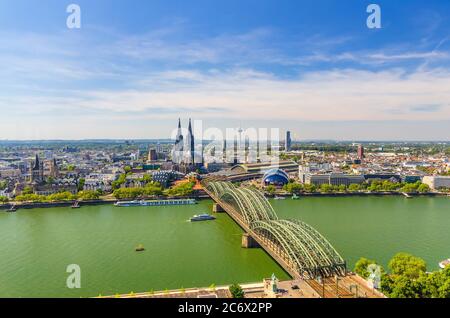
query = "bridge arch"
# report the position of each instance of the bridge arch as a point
(302, 247)
(307, 252)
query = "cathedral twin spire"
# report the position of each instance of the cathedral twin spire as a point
(184, 149)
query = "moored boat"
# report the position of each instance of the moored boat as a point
(76, 205)
(140, 248)
(444, 263)
(12, 209)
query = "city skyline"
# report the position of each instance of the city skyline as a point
(134, 68)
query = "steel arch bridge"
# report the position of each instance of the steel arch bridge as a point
(300, 247)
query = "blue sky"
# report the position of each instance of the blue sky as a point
(312, 67)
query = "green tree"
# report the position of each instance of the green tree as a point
(423, 188)
(88, 195)
(405, 264)
(182, 189)
(127, 169)
(27, 190)
(326, 188)
(293, 187)
(3, 199)
(236, 291)
(116, 184)
(309, 188)
(81, 183)
(271, 189)
(354, 187)
(361, 267)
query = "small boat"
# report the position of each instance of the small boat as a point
(202, 217)
(12, 209)
(295, 197)
(140, 248)
(444, 263)
(279, 198)
(76, 205)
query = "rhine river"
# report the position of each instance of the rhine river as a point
(37, 245)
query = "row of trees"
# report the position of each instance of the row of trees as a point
(151, 189)
(181, 189)
(155, 189)
(408, 278)
(56, 197)
(375, 186)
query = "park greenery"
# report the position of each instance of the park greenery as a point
(271, 189)
(374, 186)
(236, 291)
(116, 184)
(408, 278)
(57, 197)
(150, 189)
(181, 189)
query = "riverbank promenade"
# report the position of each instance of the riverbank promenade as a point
(285, 289)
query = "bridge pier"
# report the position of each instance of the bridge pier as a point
(248, 241)
(217, 208)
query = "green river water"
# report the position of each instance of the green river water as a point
(37, 245)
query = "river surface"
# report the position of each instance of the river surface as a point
(36, 246)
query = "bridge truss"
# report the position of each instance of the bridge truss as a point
(301, 247)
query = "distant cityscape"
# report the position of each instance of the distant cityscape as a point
(48, 168)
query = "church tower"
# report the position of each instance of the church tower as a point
(177, 151)
(189, 153)
(37, 171)
(54, 170)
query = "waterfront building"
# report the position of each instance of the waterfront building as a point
(346, 179)
(411, 179)
(317, 179)
(383, 177)
(288, 141)
(275, 177)
(332, 179)
(261, 168)
(57, 186)
(436, 182)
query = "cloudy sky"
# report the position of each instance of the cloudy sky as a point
(312, 67)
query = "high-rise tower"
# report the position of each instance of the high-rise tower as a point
(288, 141)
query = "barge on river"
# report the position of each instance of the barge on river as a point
(154, 202)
